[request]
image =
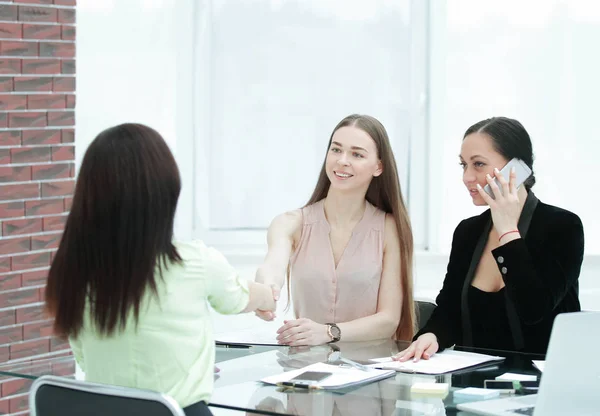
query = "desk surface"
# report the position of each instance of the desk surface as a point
(236, 385)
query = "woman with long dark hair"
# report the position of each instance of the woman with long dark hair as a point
(133, 302)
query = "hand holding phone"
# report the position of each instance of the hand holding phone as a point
(522, 173)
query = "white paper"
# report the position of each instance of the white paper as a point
(517, 377)
(341, 376)
(539, 364)
(444, 362)
(263, 333)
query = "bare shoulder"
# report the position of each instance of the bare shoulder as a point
(287, 224)
(390, 232)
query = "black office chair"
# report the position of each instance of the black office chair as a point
(424, 309)
(60, 396)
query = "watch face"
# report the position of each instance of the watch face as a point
(335, 331)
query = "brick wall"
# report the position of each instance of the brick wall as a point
(37, 119)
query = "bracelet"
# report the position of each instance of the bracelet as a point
(508, 232)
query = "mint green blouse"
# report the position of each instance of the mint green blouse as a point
(172, 350)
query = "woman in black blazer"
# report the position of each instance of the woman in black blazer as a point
(513, 268)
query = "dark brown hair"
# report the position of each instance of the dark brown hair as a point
(384, 192)
(119, 231)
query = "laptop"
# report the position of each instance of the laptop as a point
(570, 382)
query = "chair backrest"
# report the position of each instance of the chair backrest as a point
(424, 310)
(60, 396)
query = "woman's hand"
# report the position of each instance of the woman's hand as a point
(506, 208)
(302, 332)
(269, 315)
(424, 347)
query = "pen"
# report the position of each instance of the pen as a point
(239, 346)
(289, 384)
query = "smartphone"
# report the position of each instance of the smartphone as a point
(521, 169)
(310, 377)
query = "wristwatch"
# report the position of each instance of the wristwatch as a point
(334, 332)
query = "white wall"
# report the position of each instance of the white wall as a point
(147, 69)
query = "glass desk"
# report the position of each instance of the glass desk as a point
(237, 389)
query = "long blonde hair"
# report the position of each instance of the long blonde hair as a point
(384, 192)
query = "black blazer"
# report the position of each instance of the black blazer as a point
(540, 272)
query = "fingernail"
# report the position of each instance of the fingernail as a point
(496, 170)
(512, 170)
(478, 186)
(488, 176)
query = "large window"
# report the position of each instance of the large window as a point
(273, 79)
(535, 61)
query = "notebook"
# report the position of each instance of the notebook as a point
(341, 377)
(447, 361)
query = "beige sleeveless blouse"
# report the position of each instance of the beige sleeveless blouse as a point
(324, 293)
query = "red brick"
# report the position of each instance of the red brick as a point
(30, 154)
(7, 317)
(6, 84)
(33, 84)
(55, 223)
(26, 226)
(3, 120)
(57, 50)
(18, 48)
(54, 171)
(31, 313)
(10, 30)
(35, 278)
(61, 118)
(10, 66)
(66, 2)
(41, 66)
(12, 209)
(27, 119)
(41, 137)
(37, 14)
(14, 245)
(66, 16)
(12, 102)
(15, 173)
(70, 101)
(44, 206)
(68, 203)
(9, 13)
(68, 32)
(44, 101)
(30, 261)
(37, 330)
(64, 84)
(19, 297)
(62, 188)
(10, 138)
(21, 191)
(4, 356)
(46, 32)
(46, 241)
(33, 1)
(64, 369)
(5, 265)
(4, 156)
(60, 153)
(10, 281)
(68, 66)
(57, 344)
(19, 403)
(68, 135)
(16, 386)
(11, 334)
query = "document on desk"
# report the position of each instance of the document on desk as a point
(264, 335)
(341, 376)
(446, 361)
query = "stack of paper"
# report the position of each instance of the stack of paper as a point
(341, 377)
(447, 361)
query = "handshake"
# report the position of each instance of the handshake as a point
(266, 311)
